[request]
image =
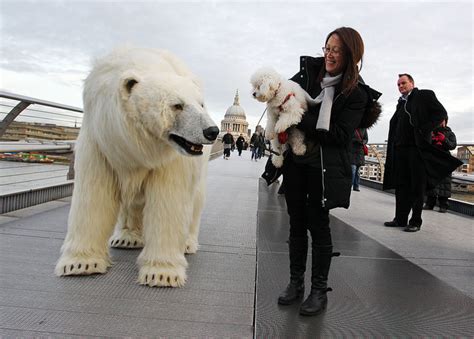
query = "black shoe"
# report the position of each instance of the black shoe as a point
(428, 207)
(293, 292)
(315, 303)
(443, 209)
(412, 228)
(356, 189)
(392, 223)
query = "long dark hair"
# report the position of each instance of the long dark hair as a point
(353, 49)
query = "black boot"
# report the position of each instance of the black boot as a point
(317, 299)
(298, 248)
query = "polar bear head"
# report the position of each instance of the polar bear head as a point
(265, 83)
(141, 101)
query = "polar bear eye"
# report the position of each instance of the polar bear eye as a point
(178, 107)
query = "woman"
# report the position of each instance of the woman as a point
(321, 179)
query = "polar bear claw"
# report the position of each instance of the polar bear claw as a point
(158, 275)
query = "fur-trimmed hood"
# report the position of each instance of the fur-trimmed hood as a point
(374, 108)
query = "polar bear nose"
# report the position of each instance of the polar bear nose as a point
(211, 133)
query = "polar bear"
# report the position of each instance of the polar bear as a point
(139, 155)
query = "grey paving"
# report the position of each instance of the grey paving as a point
(444, 247)
(387, 283)
(377, 292)
(217, 301)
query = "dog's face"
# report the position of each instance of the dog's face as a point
(265, 83)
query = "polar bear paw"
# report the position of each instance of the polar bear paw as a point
(192, 246)
(126, 239)
(81, 265)
(162, 276)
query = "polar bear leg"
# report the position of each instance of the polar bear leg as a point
(166, 214)
(128, 231)
(93, 213)
(192, 243)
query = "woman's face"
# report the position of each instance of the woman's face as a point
(334, 55)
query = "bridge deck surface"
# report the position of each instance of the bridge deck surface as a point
(386, 282)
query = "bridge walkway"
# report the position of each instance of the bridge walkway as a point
(386, 282)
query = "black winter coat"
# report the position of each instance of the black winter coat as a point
(348, 111)
(443, 189)
(426, 113)
(228, 138)
(240, 142)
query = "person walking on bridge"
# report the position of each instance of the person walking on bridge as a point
(413, 163)
(228, 141)
(321, 179)
(240, 144)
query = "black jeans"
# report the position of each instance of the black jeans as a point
(411, 185)
(303, 194)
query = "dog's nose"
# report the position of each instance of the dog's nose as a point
(211, 133)
(254, 94)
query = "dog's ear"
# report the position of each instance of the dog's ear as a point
(264, 87)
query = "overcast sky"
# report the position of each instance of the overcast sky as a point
(47, 46)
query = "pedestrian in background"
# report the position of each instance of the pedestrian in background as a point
(412, 162)
(443, 138)
(359, 151)
(228, 141)
(257, 142)
(240, 144)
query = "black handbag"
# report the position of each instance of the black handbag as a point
(272, 173)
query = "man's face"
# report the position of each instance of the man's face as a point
(404, 85)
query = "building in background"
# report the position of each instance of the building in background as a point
(464, 153)
(235, 120)
(18, 130)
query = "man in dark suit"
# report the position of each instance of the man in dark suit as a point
(412, 162)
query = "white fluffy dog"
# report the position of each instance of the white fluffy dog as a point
(286, 103)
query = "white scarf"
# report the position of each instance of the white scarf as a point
(326, 97)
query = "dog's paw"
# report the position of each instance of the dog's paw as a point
(299, 149)
(277, 160)
(162, 276)
(281, 125)
(126, 239)
(192, 246)
(81, 265)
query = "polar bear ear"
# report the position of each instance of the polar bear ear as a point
(127, 84)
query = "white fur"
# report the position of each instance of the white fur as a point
(272, 88)
(129, 172)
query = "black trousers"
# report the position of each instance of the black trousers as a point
(411, 185)
(303, 194)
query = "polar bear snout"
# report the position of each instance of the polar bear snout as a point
(211, 133)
